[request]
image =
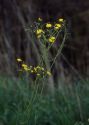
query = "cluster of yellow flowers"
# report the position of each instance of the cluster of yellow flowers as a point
(48, 29)
(38, 70)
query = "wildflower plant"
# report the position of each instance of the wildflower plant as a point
(46, 35)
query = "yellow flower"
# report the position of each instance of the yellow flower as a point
(26, 69)
(48, 25)
(38, 74)
(24, 65)
(19, 60)
(57, 26)
(39, 19)
(52, 39)
(60, 20)
(48, 73)
(39, 31)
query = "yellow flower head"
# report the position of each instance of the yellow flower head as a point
(39, 19)
(39, 31)
(24, 65)
(38, 74)
(19, 60)
(52, 39)
(57, 26)
(60, 20)
(48, 73)
(48, 25)
(26, 69)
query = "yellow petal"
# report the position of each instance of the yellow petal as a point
(48, 25)
(61, 20)
(19, 60)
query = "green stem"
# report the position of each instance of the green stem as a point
(60, 49)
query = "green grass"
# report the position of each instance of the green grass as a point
(23, 104)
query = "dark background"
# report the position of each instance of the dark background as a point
(15, 42)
